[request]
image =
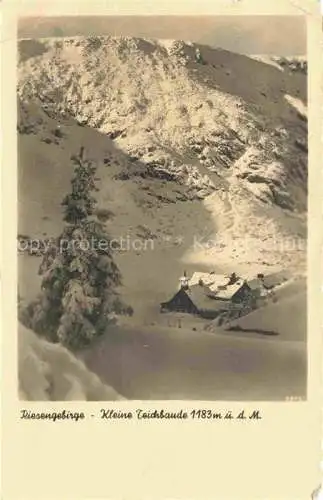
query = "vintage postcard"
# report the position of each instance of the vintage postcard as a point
(162, 249)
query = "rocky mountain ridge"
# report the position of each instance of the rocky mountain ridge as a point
(190, 122)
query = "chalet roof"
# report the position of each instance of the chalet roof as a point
(269, 281)
(209, 279)
(219, 286)
(275, 279)
(199, 296)
(220, 281)
(228, 291)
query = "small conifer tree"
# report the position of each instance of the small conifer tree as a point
(78, 294)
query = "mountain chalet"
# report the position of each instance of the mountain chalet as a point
(209, 295)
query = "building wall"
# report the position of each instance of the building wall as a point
(242, 295)
(180, 302)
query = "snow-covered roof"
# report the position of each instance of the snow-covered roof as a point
(229, 291)
(209, 279)
(221, 280)
(217, 284)
(203, 302)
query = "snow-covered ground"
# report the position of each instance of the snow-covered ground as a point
(50, 372)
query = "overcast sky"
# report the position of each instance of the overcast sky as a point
(281, 35)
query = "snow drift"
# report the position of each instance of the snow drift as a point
(49, 372)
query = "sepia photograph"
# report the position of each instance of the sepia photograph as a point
(162, 208)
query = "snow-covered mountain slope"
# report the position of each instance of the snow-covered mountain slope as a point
(192, 143)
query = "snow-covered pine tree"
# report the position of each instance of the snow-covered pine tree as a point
(78, 297)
